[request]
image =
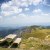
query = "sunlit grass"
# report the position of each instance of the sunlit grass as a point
(33, 40)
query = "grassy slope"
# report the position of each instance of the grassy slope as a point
(36, 44)
(31, 43)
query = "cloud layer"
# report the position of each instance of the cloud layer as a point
(13, 13)
(46, 2)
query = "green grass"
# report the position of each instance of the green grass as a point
(35, 43)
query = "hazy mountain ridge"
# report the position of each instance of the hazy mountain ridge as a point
(6, 30)
(33, 37)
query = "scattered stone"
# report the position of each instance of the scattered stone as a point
(30, 38)
(22, 46)
(32, 48)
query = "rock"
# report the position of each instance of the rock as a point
(32, 48)
(23, 46)
(30, 38)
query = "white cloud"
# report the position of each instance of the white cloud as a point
(46, 2)
(24, 4)
(9, 9)
(12, 8)
(35, 19)
(30, 2)
(10, 13)
(22, 15)
(31, 19)
(45, 14)
(6, 13)
(41, 19)
(16, 2)
(16, 9)
(37, 11)
(26, 9)
(4, 6)
(40, 16)
(1, 19)
(35, 2)
(23, 19)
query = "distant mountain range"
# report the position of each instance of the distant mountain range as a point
(11, 28)
(7, 30)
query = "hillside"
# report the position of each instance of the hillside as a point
(34, 38)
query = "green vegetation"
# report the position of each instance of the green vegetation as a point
(34, 38)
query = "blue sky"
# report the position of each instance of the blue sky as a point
(24, 12)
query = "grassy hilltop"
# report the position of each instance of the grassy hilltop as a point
(34, 38)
